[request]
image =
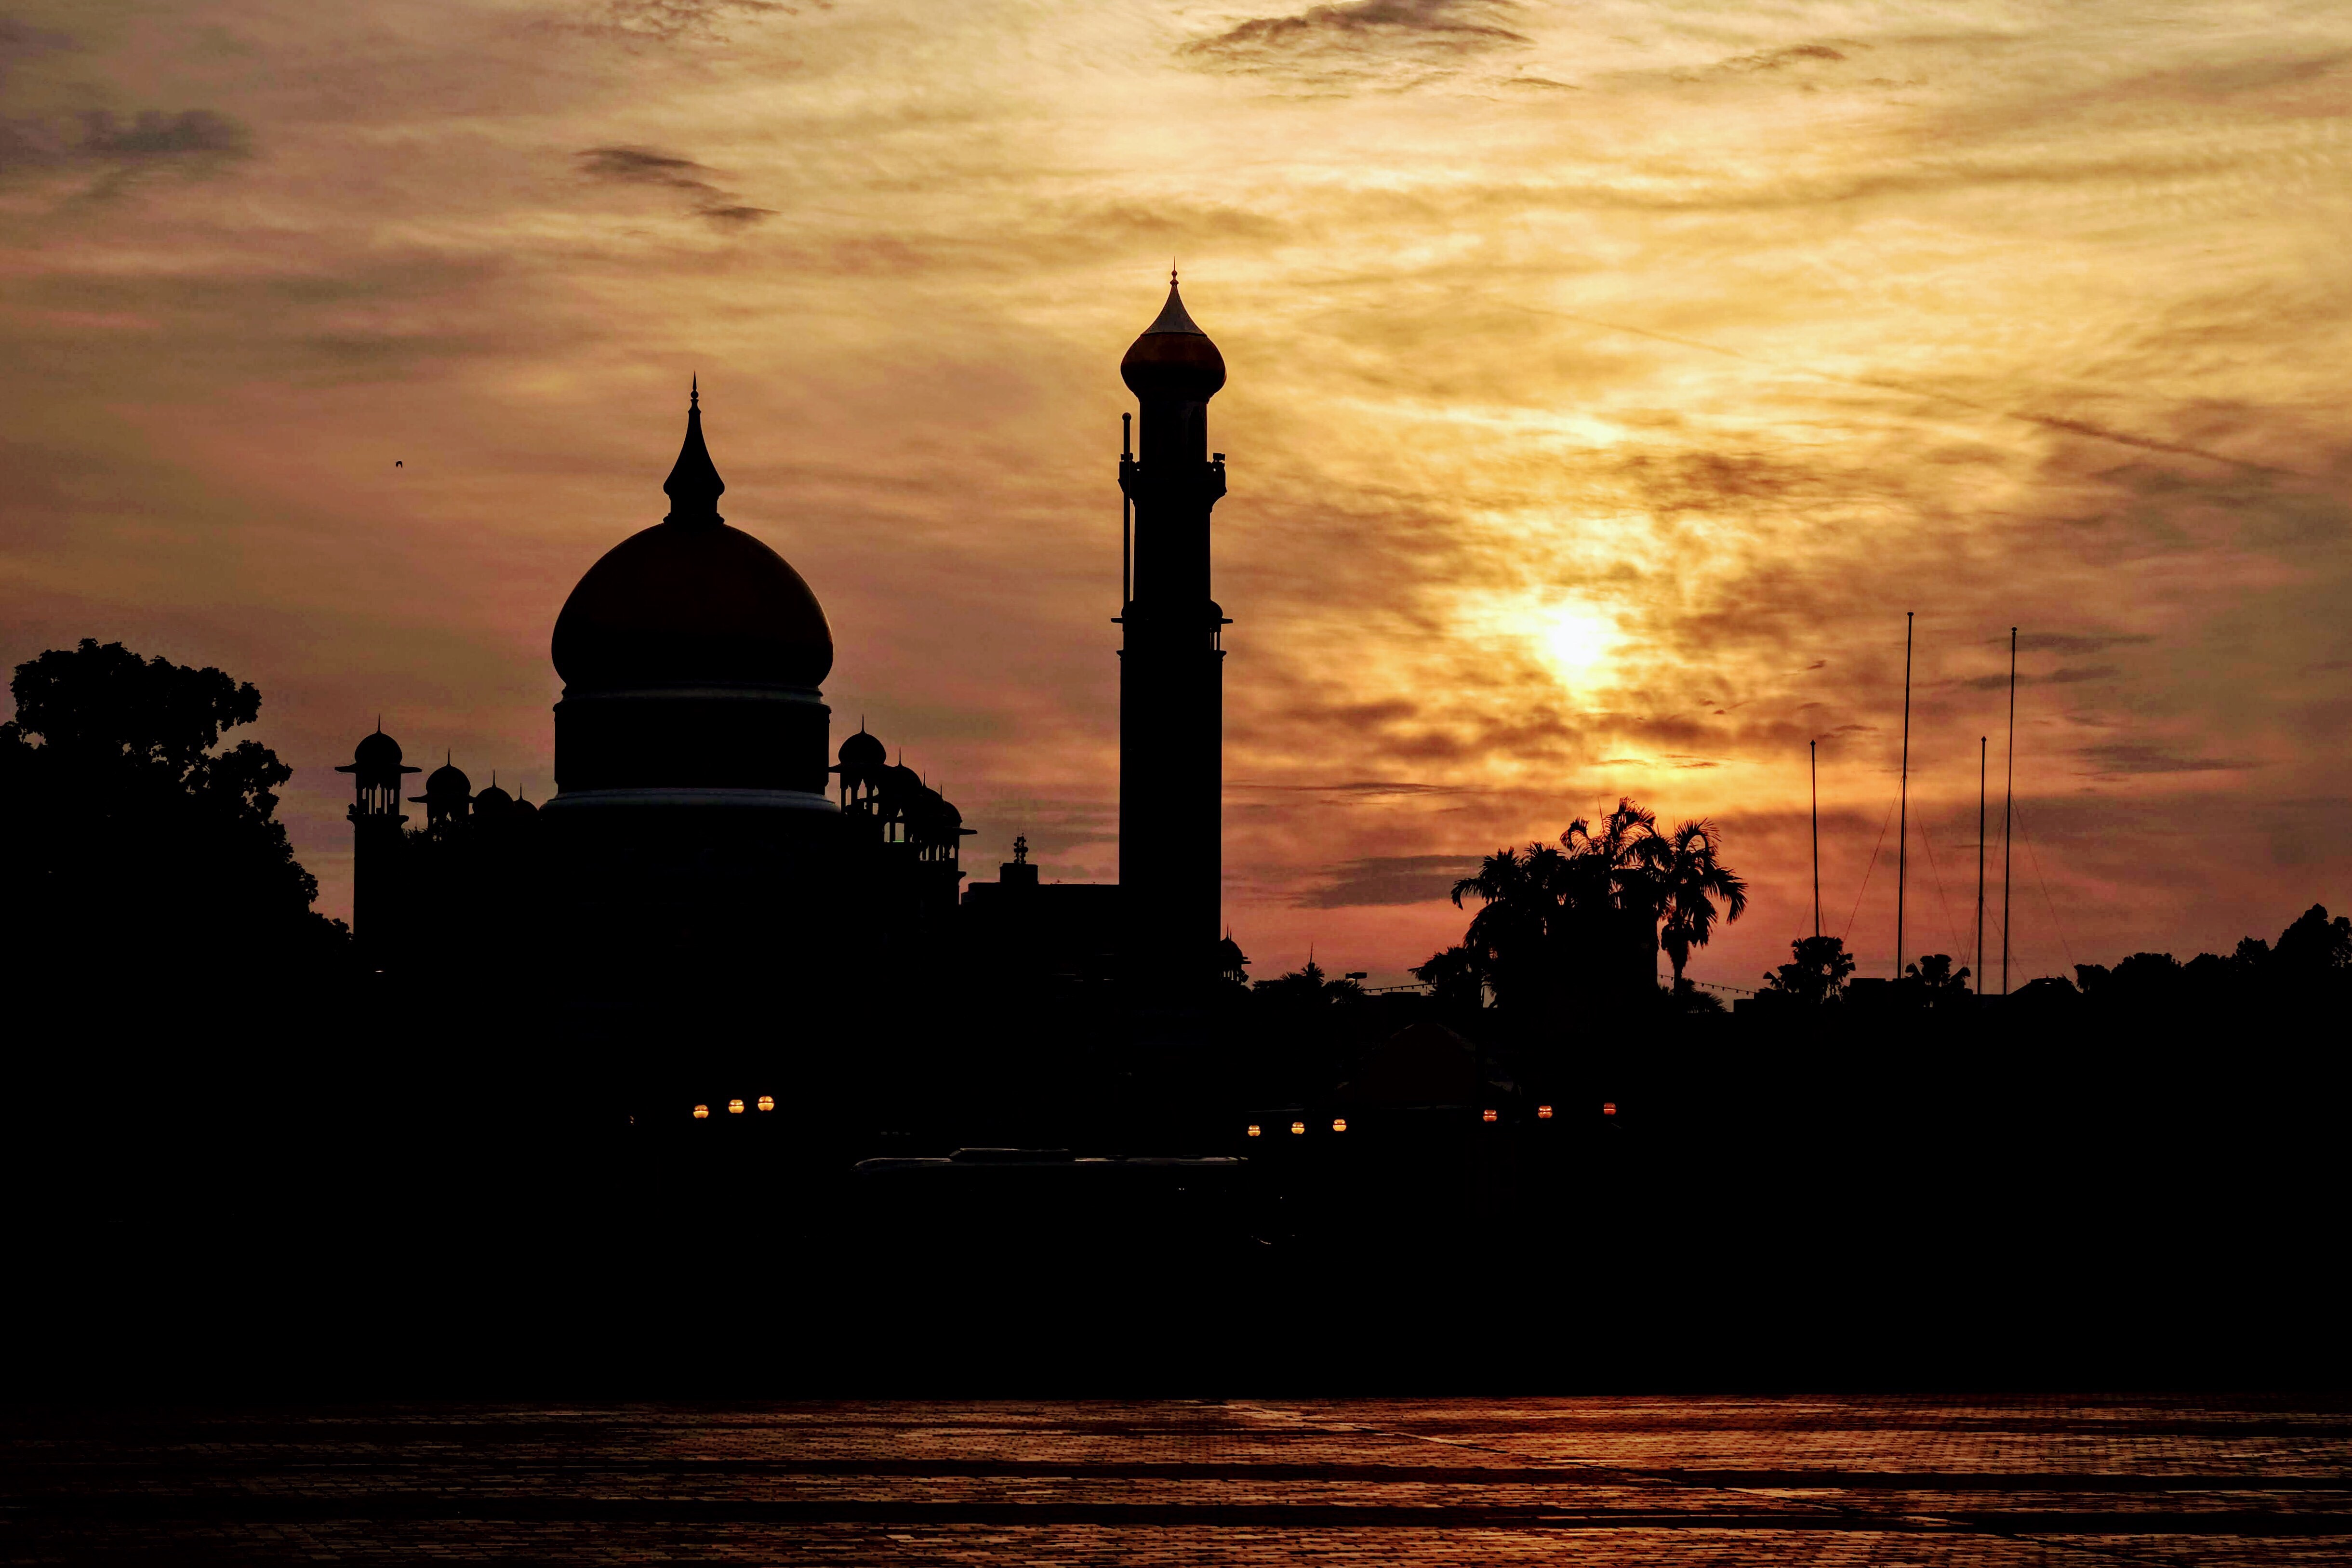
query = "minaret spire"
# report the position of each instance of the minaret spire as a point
(694, 485)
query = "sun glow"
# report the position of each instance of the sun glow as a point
(1576, 640)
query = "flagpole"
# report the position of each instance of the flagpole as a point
(1903, 833)
(2007, 810)
(1982, 742)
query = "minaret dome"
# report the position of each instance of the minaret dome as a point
(1174, 361)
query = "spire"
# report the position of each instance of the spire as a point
(694, 485)
(1172, 316)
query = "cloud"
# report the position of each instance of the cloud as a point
(22, 40)
(651, 166)
(1360, 38)
(671, 21)
(190, 144)
(642, 167)
(2067, 675)
(2123, 759)
(1781, 59)
(1369, 789)
(153, 134)
(1389, 879)
(2072, 642)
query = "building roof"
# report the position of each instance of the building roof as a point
(691, 601)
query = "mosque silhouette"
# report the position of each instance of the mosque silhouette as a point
(698, 819)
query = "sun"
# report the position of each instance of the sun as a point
(1576, 640)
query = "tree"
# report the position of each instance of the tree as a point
(1520, 938)
(1614, 865)
(2313, 946)
(1934, 982)
(1816, 972)
(1456, 978)
(139, 847)
(1687, 877)
(1588, 913)
(1307, 986)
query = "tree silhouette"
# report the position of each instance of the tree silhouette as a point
(1307, 986)
(1933, 982)
(1602, 895)
(1685, 869)
(1614, 865)
(1456, 977)
(1816, 972)
(1518, 937)
(2313, 946)
(155, 851)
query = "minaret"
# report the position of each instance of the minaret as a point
(1172, 675)
(375, 819)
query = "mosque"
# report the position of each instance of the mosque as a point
(701, 816)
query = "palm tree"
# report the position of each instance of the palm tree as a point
(1516, 937)
(1614, 865)
(1687, 877)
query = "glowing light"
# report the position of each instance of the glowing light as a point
(702, 1113)
(1339, 1124)
(734, 1108)
(1574, 638)
(1489, 1116)
(1607, 1108)
(767, 1102)
(1577, 641)
(1254, 1130)
(1543, 1113)
(1298, 1127)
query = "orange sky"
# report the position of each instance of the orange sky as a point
(1606, 380)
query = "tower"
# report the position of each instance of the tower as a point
(691, 799)
(375, 817)
(1172, 675)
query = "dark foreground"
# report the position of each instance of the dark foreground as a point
(1876, 1480)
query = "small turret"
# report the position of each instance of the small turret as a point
(448, 796)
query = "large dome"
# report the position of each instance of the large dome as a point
(682, 603)
(691, 601)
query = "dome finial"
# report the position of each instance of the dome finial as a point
(694, 485)
(1174, 361)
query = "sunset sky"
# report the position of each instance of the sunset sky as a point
(1606, 381)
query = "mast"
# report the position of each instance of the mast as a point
(2008, 807)
(1903, 833)
(1813, 753)
(1982, 741)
